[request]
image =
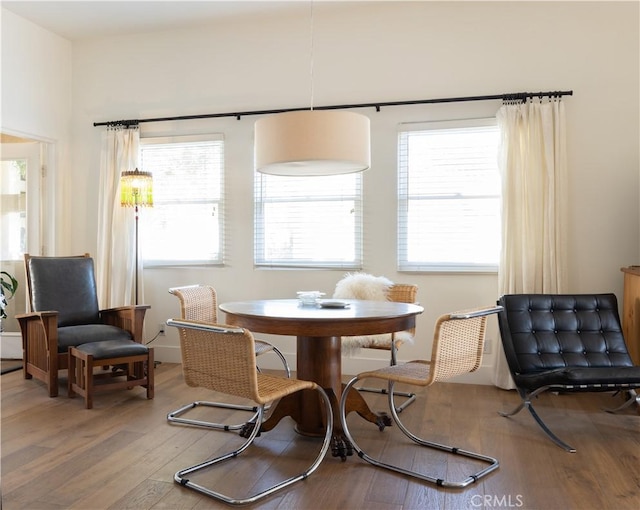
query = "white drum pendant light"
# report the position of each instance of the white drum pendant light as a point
(312, 143)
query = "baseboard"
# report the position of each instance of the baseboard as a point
(166, 353)
(10, 345)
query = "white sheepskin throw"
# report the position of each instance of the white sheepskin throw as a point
(372, 288)
(363, 286)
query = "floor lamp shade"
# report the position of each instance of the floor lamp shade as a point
(312, 143)
(136, 189)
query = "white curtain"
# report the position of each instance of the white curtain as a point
(532, 162)
(115, 260)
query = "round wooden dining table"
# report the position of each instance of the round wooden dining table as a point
(318, 331)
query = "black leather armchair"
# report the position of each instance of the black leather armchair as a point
(65, 313)
(567, 343)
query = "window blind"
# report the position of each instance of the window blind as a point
(449, 196)
(309, 222)
(186, 224)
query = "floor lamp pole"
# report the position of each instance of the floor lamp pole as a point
(136, 190)
(136, 256)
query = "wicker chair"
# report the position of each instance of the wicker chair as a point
(223, 358)
(199, 303)
(457, 349)
(400, 293)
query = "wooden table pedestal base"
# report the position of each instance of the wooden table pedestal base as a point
(319, 360)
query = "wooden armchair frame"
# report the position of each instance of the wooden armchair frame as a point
(39, 330)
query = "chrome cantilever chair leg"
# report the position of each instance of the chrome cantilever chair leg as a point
(526, 403)
(410, 396)
(278, 353)
(176, 416)
(634, 398)
(493, 463)
(182, 476)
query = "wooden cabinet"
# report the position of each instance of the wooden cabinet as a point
(631, 311)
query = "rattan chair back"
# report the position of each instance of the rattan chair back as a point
(220, 358)
(197, 302)
(458, 344)
(403, 293)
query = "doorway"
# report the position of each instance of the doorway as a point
(21, 175)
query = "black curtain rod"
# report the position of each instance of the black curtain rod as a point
(518, 96)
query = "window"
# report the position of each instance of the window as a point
(449, 196)
(308, 221)
(185, 225)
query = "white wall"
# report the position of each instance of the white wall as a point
(366, 52)
(36, 104)
(36, 80)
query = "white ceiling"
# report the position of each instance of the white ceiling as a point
(82, 19)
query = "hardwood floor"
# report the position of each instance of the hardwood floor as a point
(122, 454)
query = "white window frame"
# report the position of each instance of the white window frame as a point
(215, 200)
(319, 250)
(478, 242)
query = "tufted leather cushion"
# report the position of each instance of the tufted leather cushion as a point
(66, 285)
(72, 336)
(560, 339)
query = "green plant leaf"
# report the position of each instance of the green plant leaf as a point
(8, 285)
